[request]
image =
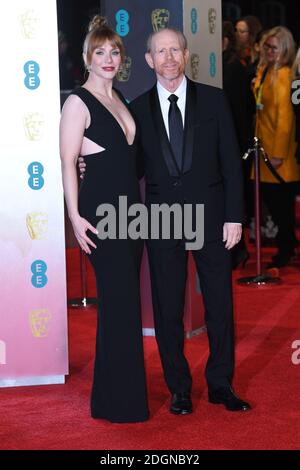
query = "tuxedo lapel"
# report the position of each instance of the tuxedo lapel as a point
(189, 121)
(162, 134)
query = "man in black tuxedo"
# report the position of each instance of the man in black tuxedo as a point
(190, 155)
(201, 166)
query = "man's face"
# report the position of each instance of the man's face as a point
(167, 56)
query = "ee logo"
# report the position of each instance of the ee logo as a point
(35, 180)
(32, 80)
(194, 24)
(122, 18)
(213, 64)
(39, 278)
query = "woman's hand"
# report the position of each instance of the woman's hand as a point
(80, 227)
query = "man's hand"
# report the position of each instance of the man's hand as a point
(81, 166)
(232, 233)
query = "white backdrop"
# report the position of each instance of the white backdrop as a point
(33, 315)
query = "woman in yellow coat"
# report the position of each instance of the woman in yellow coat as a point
(275, 126)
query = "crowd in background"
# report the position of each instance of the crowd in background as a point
(261, 74)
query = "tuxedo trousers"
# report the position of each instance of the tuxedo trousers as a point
(168, 271)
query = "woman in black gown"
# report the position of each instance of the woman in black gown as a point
(96, 123)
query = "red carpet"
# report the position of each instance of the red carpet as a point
(267, 323)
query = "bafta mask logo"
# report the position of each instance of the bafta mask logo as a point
(124, 72)
(29, 24)
(195, 60)
(37, 225)
(39, 322)
(160, 19)
(212, 20)
(2, 352)
(33, 126)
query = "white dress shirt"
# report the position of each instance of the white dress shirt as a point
(163, 96)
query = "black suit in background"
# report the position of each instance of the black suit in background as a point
(237, 87)
(211, 175)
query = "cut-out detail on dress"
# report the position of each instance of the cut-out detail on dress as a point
(89, 147)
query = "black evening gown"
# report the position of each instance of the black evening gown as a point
(119, 388)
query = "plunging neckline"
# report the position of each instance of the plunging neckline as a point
(114, 118)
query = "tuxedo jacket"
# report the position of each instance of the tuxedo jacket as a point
(211, 172)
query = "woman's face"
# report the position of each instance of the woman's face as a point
(242, 34)
(106, 60)
(271, 50)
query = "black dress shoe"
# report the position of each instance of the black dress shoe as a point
(226, 397)
(181, 404)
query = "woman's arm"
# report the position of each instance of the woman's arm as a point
(72, 126)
